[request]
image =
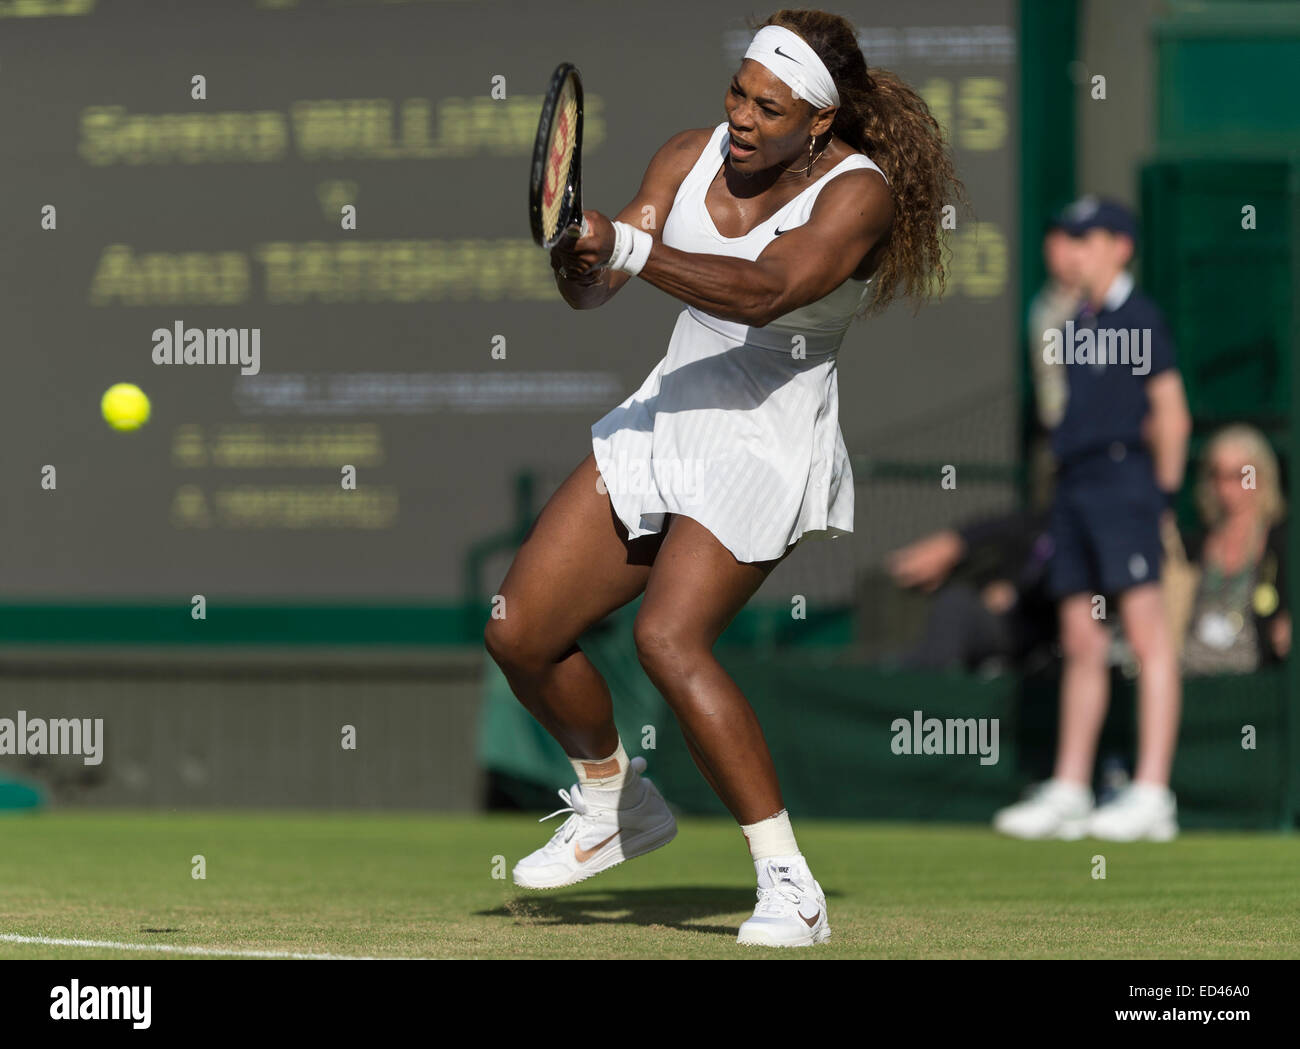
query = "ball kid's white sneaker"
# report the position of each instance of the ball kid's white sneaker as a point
(1053, 810)
(1142, 812)
(606, 828)
(791, 909)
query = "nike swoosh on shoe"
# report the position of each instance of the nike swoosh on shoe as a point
(583, 855)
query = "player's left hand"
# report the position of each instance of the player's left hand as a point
(927, 562)
(1000, 596)
(584, 256)
(1280, 635)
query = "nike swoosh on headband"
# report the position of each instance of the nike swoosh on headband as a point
(778, 50)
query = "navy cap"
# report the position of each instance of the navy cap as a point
(1088, 213)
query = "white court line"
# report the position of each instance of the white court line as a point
(213, 952)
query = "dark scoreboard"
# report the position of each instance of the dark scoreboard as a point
(343, 184)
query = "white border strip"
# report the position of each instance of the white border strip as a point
(207, 952)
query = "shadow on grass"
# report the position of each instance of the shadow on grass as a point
(687, 908)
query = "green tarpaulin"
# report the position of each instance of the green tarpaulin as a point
(830, 726)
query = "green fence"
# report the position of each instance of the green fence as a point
(1229, 77)
(830, 726)
(1221, 232)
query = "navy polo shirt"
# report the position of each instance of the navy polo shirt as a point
(1107, 399)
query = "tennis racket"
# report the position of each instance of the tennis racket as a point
(555, 182)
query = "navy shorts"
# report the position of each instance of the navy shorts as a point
(1105, 525)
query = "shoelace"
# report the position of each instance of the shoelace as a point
(783, 888)
(576, 804)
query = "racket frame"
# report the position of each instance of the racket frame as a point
(570, 211)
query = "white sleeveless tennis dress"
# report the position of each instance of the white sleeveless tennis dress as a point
(731, 428)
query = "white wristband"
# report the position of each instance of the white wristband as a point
(622, 246)
(642, 242)
(631, 248)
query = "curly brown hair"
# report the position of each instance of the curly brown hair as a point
(885, 119)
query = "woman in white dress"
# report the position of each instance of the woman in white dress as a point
(818, 199)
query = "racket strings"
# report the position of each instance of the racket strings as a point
(559, 159)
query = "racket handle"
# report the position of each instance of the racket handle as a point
(585, 227)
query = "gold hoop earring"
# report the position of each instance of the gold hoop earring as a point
(811, 140)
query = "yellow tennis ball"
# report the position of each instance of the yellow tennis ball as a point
(125, 406)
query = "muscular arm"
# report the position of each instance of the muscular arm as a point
(1168, 428)
(647, 211)
(851, 215)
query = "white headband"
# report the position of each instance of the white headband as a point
(790, 58)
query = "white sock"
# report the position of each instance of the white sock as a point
(771, 837)
(604, 773)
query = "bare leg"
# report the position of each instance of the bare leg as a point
(1159, 686)
(575, 567)
(695, 589)
(1085, 689)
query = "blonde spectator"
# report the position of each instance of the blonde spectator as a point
(1239, 616)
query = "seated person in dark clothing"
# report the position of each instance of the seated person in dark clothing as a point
(988, 581)
(1239, 618)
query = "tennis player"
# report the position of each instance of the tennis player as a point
(816, 200)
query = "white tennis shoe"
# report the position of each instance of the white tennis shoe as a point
(599, 834)
(791, 909)
(1142, 812)
(1053, 810)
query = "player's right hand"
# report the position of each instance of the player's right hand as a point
(579, 258)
